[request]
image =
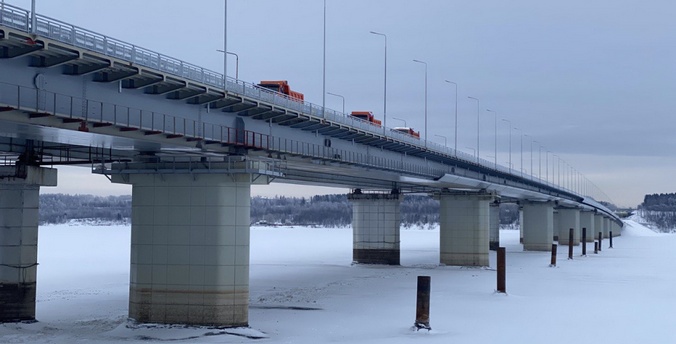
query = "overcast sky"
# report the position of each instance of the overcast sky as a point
(592, 81)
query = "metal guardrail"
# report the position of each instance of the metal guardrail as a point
(20, 19)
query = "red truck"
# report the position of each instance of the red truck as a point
(407, 131)
(282, 86)
(366, 116)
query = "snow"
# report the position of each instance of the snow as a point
(304, 289)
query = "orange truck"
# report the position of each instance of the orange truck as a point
(282, 86)
(366, 116)
(407, 131)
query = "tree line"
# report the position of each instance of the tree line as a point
(323, 210)
(660, 211)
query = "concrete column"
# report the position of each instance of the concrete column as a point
(189, 248)
(555, 237)
(520, 224)
(587, 221)
(375, 228)
(569, 218)
(606, 227)
(494, 233)
(538, 226)
(19, 217)
(598, 225)
(463, 233)
(617, 229)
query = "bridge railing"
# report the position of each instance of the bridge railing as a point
(14, 17)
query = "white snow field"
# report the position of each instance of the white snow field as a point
(304, 289)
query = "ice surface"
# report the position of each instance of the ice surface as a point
(304, 289)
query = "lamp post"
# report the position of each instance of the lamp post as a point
(558, 169)
(34, 18)
(324, 65)
(443, 137)
(539, 160)
(477, 128)
(384, 82)
(495, 135)
(455, 147)
(236, 62)
(531, 157)
(510, 143)
(338, 95)
(399, 119)
(425, 63)
(225, 45)
(546, 164)
(521, 154)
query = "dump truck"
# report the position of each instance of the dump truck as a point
(282, 86)
(366, 116)
(408, 131)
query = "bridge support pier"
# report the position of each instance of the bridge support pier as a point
(520, 224)
(494, 233)
(617, 229)
(598, 225)
(189, 248)
(375, 227)
(464, 222)
(19, 202)
(606, 227)
(538, 226)
(568, 218)
(587, 221)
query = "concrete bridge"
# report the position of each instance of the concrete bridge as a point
(191, 143)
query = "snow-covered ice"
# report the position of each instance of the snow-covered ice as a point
(304, 289)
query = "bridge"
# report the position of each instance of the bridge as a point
(191, 142)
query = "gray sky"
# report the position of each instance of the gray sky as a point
(592, 81)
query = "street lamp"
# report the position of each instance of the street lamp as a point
(399, 119)
(225, 44)
(531, 157)
(384, 81)
(520, 155)
(477, 128)
(338, 95)
(456, 116)
(443, 137)
(236, 62)
(324, 65)
(425, 63)
(558, 169)
(510, 143)
(539, 160)
(547, 165)
(495, 136)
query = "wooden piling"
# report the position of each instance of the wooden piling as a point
(422, 311)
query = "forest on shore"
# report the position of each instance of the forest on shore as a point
(321, 211)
